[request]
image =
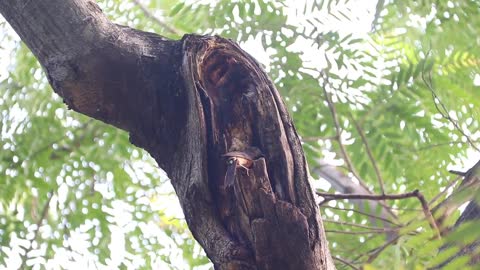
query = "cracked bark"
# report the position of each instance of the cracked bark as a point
(188, 102)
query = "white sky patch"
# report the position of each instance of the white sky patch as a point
(254, 47)
(8, 41)
(476, 80)
(361, 16)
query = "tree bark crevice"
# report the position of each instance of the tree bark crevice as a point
(241, 111)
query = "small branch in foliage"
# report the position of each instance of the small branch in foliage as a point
(355, 232)
(37, 229)
(415, 193)
(458, 172)
(443, 110)
(154, 18)
(450, 143)
(377, 229)
(406, 209)
(338, 131)
(76, 142)
(346, 263)
(362, 213)
(378, 10)
(379, 250)
(445, 190)
(370, 154)
(317, 138)
(428, 213)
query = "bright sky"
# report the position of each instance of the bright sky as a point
(6, 48)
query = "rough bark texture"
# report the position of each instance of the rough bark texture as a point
(467, 191)
(188, 103)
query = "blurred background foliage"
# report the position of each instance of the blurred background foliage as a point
(394, 84)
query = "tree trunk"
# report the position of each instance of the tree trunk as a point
(207, 113)
(467, 191)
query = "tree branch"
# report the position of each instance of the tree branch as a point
(346, 263)
(344, 184)
(317, 138)
(379, 229)
(443, 110)
(379, 250)
(465, 191)
(187, 103)
(37, 229)
(417, 194)
(370, 155)
(434, 145)
(362, 213)
(338, 131)
(355, 232)
(106, 71)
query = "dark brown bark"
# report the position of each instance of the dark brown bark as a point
(466, 192)
(188, 103)
(241, 109)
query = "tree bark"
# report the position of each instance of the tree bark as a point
(466, 192)
(208, 114)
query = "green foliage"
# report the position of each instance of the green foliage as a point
(92, 181)
(405, 76)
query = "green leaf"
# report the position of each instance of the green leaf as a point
(176, 9)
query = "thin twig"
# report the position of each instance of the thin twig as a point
(354, 248)
(378, 11)
(338, 131)
(37, 229)
(46, 147)
(415, 193)
(457, 172)
(428, 214)
(316, 138)
(154, 18)
(362, 213)
(346, 263)
(379, 250)
(370, 155)
(331, 196)
(430, 146)
(379, 229)
(443, 110)
(354, 232)
(405, 209)
(57, 140)
(451, 184)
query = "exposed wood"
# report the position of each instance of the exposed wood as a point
(240, 109)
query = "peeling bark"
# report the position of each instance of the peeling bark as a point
(189, 103)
